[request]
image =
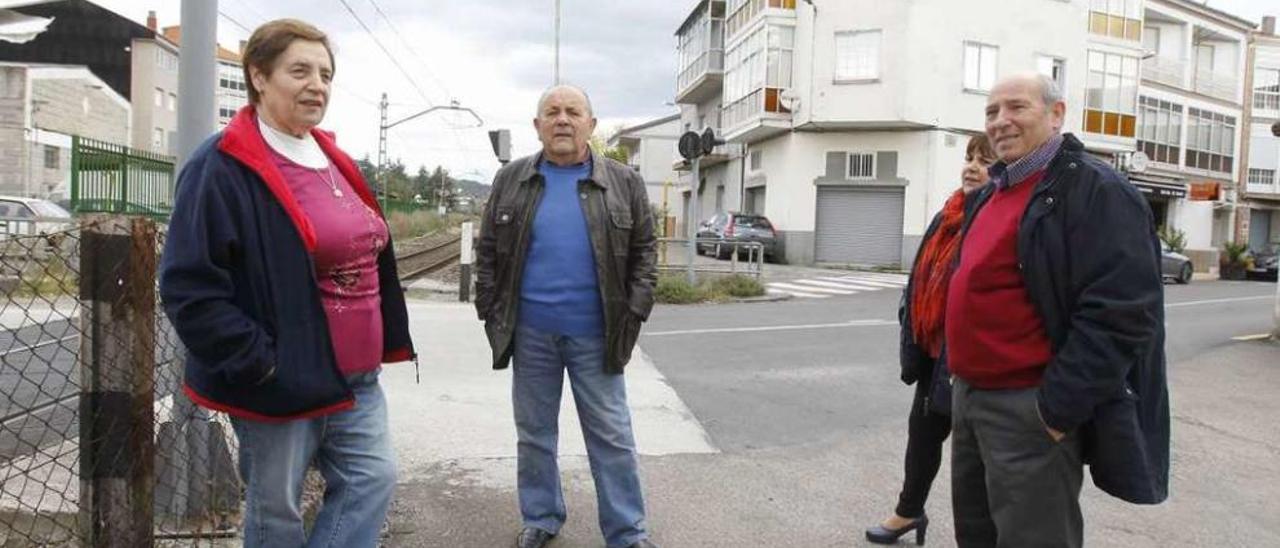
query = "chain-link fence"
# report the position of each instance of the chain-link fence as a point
(98, 444)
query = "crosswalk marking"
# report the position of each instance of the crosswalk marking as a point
(806, 289)
(821, 287)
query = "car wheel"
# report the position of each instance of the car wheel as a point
(1184, 275)
(721, 252)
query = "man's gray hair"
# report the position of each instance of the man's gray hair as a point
(590, 109)
(1050, 91)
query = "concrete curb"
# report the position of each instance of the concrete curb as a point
(766, 298)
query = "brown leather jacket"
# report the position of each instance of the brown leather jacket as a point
(620, 226)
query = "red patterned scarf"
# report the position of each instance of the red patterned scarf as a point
(933, 274)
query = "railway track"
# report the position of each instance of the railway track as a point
(432, 253)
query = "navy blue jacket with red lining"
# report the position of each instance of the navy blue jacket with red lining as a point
(238, 284)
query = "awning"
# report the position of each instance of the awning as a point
(19, 28)
(1159, 187)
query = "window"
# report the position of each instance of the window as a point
(1151, 39)
(1210, 141)
(1054, 68)
(10, 83)
(159, 98)
(1160, 130)
(757, 161)
(979, 66)
(157, 139)
(1116, 18)
(742, 12)
(757, 70)
(1111, 93)
(1266, 89)
(12, 210)
(857, 55)
(1204, 59)
(173, 102)
(862, 165)
(51, 157)
(1261, 176)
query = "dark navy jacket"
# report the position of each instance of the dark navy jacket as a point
(239, 286)
(1090, 259)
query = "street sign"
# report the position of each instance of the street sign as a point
(501, 141)
(709, 141)
(690, 145)
(1139, 162)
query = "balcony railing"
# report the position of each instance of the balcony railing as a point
(749, 9)
(1216, 84)
(1262, 188)
(755, 105)
(1266, 101)
(1166, 70)
(710, 62)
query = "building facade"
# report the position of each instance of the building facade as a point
(41, 107)
(155, 70)
(850, 118)
(1191, 106)
(650, 147)
(1260, 208)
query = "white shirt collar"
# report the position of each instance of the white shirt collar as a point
(305, 151)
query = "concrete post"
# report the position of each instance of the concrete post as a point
(197, 75)
(467, 258)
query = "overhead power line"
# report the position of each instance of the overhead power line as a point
(439, 83)
(387, 52)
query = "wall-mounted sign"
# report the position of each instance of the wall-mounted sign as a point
(1205, 191)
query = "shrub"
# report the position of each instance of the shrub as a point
(738, 286)
(674, 289)
(1174, 238)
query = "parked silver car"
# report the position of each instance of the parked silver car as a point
(717, 235)
(1175, 266)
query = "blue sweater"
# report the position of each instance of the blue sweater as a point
(559, 292)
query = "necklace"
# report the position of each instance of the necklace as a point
(330, 180)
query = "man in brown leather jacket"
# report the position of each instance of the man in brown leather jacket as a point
(565, 274)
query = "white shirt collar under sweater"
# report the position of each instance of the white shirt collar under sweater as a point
(305, 151)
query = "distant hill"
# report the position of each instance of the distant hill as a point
(477, 190)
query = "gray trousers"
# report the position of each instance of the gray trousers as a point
(1011, 484)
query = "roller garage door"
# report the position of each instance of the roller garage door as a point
(859, 225)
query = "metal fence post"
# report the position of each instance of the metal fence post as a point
(117, 369)
(75, 173)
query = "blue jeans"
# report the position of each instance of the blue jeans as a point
(353, 451)
(541, 360)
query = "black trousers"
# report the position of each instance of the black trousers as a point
(926, 430)
(1012, 485)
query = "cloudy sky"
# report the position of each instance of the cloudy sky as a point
(494, 56)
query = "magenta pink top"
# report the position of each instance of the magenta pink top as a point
(349, 237)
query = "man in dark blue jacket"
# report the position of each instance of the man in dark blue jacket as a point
(1055, 334)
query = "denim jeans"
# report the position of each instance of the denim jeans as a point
(353, 451)
(541, 360)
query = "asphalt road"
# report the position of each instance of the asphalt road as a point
(803, 402)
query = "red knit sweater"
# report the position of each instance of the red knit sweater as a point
(995, 337)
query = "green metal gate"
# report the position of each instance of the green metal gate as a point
(111, 178)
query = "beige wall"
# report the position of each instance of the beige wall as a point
(155, 66)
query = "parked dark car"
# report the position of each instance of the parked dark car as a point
(729, 228)
(1265, 265)
(1175, 266)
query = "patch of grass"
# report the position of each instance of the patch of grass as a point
(675, 289)
(405, 226)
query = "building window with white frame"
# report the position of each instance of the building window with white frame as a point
(1121, 19)
(861, 165)
(1111, 94)
(1266, 89)
(173, 102)
(980, 61)
(756, 160)
(159, 98)
(1053, 67)
(1210, 141)
(1160, 130)
(1261, 176)
(157, 139)
(757, 70)
(51, 157)
(857, 56)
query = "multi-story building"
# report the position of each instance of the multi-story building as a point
(1190, 102)
(852, 116)
(233, 92)
(155, 68)
(650, 147)
(41, 107)
(1260, 208)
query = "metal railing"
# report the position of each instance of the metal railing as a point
(1216, 84)
(745, 258)
(1166, 70)
(709, 61)
(111, 178)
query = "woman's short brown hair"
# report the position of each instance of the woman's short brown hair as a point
(269, 42)
(980, 146)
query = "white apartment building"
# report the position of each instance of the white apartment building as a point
(650, 147)
(1261, 206)
(848, 119)
(1191, 101)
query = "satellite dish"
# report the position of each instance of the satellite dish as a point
(1139, 162)
(789, 99)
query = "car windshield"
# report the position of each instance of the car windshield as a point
(49, 209)
(752, 221)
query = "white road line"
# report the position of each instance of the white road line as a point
(799, 294)
(854, 323)
(1219, 301)
(883, 277)
(865, 286)
(833, 285)
(874, 282)
(802, 289)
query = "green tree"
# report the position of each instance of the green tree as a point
(617, 153)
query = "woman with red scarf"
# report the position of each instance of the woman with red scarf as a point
(922, 353)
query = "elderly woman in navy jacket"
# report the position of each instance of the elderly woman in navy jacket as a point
(278, 275)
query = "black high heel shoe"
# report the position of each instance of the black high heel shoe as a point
(881, 535)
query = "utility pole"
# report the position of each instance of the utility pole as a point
(197, 75)
(382, 151)
(557, 73)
